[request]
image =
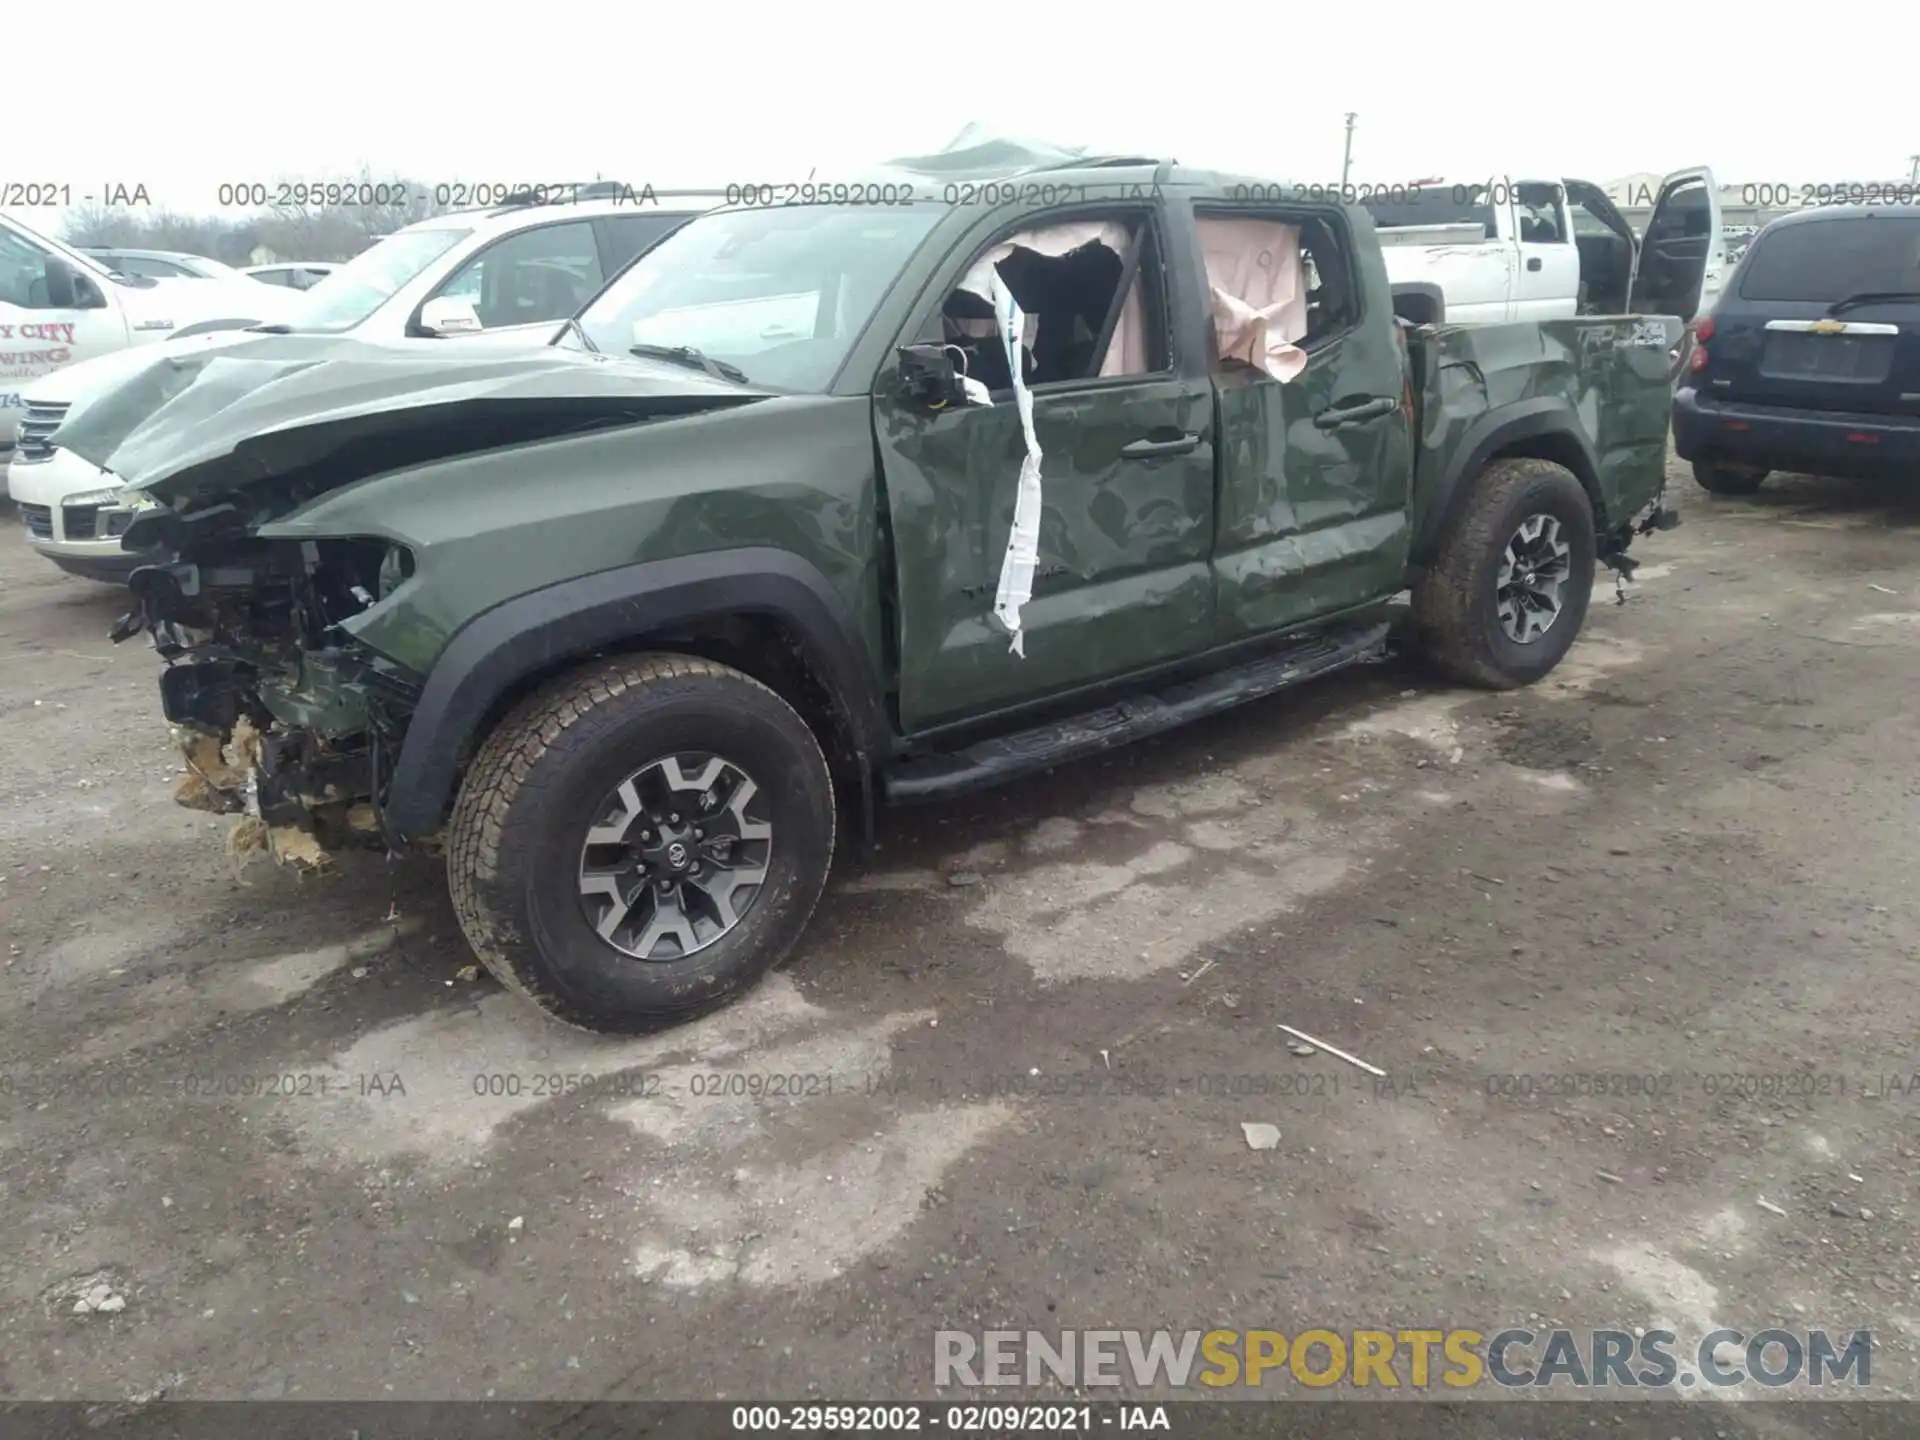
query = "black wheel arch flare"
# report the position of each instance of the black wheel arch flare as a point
(1517, 429)
(499, 649)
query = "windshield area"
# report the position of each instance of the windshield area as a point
(780, 295)
(361, 286)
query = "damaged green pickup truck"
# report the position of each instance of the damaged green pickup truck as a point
(1025, 457)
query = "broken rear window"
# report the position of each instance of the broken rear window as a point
(1067, 278)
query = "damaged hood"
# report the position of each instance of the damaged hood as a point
(184, 425)
(72, 384)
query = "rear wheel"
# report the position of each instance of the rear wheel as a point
(1727, 479)
(641, 841)
(1507, 593)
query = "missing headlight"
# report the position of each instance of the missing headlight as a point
(353, 575)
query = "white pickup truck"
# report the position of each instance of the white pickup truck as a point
(1507, 249)
(59, 307)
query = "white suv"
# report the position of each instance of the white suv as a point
(508, 275)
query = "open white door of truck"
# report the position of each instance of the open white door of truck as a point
(1682, 258)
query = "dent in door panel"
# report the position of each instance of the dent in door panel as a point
(1122, 579)
(1301, 507)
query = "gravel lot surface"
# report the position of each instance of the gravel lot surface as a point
(1003, 1083)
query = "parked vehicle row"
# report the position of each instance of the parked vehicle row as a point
(811, 508)
(504, 276)
(59, 306)
(178, 265)
(159, 264)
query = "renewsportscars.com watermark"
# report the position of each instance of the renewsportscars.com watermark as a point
(1447, 1360)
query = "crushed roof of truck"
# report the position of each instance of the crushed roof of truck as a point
(988, 159)
(994, 159)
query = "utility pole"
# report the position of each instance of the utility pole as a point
(1346, 159)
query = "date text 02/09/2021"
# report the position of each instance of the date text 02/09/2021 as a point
(778, 194)
(806, 1085)
(914, 1418)
(34, 1089)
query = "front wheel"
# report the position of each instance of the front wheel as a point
(640, 841)
(1507, 593)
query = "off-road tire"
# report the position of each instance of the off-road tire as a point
(525, 802)
(1720, 480)
(1454, 602)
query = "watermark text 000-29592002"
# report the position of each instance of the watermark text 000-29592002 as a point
(407, 195)
(1805, 194)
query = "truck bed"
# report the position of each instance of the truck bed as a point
(1608, 373)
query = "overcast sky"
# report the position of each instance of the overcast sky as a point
(711, 94)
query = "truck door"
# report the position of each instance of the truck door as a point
(1124, 421)
(1546, 284)
(1315, 471)
(38, 335)
(1683, 255)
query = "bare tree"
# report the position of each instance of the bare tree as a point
(96, 224)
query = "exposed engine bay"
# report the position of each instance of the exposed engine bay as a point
(280, 715)
(283, 716)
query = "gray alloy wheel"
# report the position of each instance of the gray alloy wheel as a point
(1533, 567)
(676, 857)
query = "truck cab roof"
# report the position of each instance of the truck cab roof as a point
(1003, 161)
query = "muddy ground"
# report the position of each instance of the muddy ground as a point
(1023, 1039)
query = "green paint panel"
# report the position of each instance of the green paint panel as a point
(1273, 518)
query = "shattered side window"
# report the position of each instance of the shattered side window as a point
(1333, 299)
(1090, 300)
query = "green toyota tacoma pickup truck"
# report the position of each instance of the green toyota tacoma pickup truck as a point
(998, 460)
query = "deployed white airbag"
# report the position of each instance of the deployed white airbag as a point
(1259, 291)
(1023, 542)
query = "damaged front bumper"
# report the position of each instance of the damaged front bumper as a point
(281, 717)
(298, 807)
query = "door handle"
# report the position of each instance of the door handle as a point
(1533, 262)
(1154, 449)
(1334, 418)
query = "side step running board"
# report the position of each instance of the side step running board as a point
(934, 777)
